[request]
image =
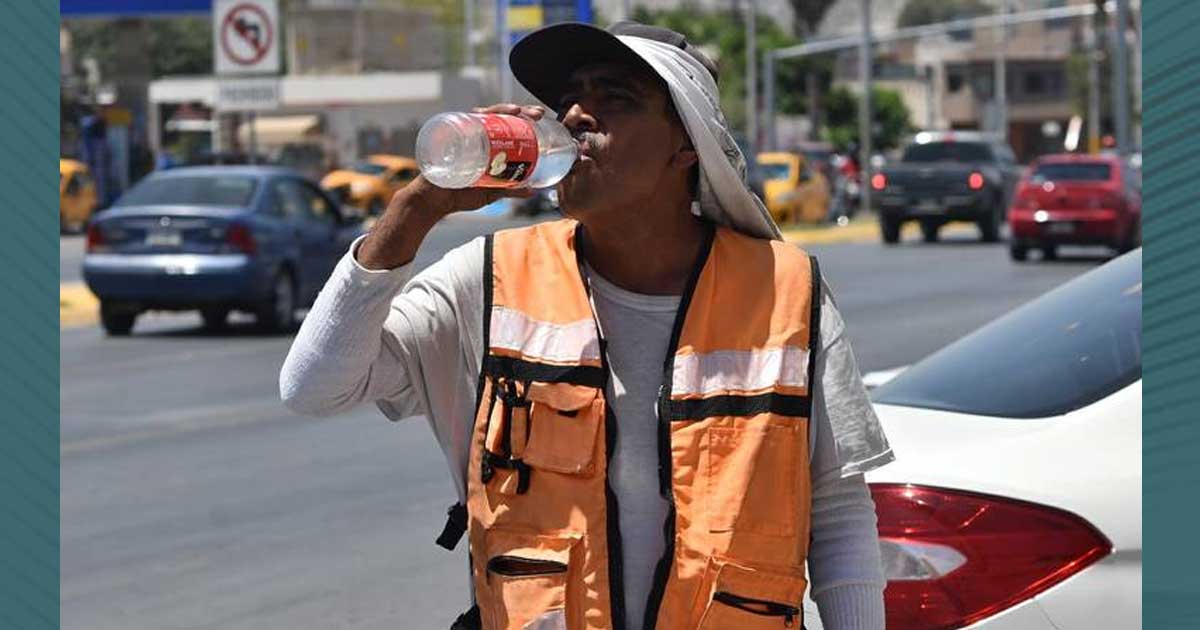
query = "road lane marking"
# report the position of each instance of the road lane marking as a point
(163, 424)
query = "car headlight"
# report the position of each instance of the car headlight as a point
(360, 188)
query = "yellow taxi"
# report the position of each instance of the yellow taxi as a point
(76, 195)
(792, 191)
(369, 184)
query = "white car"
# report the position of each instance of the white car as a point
(1016, 498)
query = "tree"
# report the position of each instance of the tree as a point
(817, 71)
(891, 121)
(180, 45)
(919, 12)
(725, 32)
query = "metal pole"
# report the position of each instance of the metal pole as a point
(1121, 80)
(1000, 96)
(864, 111)
(1093, 115)
(626, 10)
(253, 137)
(359, 26)
(468, 31)
(751, 79)
(769, 98)
(502, 63)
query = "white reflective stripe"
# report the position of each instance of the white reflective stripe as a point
(739, 370)
(533, 339)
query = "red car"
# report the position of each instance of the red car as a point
(1079, 200)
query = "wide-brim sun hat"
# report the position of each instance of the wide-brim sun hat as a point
(544, 60)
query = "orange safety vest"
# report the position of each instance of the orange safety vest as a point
(733, 441)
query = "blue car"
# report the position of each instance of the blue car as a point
(215, 239)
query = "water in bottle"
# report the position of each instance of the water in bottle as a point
(459, 150)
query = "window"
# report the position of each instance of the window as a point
(775, 170)
(404, 175)
(368, 168)
(289, 199)
(948, 152)
(191, 190)
(1073, 172)
(316, 206)
(954, 80)
(1067, 349)
(1035, 83)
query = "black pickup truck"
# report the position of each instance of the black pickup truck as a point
(943, 177)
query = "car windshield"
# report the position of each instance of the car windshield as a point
(773, 171)
(191, 190)
(948, 152)
(1062, 351)
(1073, 172)
(368, 168)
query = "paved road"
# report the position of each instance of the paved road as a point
(192, 499)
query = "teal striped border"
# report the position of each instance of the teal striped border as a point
(29, 101)
(1171, 324)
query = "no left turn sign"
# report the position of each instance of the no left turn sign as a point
(246, 36)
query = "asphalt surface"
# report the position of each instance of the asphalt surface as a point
(192, 499)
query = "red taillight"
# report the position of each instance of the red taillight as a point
(952, 558)
(878, 181)
(239, 238)
(975, 181)
(95, 238)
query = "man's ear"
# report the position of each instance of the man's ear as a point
(685, 157)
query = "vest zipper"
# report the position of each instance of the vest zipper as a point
(662, 572)
(758, 606)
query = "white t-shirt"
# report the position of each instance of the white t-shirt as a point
(413, 344)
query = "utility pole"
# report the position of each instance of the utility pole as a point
(1093, 56)
(751, 80)
(1000, 97)
(468, 32)
(503, 36)
(1121, 79)
(769, 98)
(864, 112)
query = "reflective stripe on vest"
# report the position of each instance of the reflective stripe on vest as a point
(733, 441)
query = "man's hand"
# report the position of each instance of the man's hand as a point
(414, 209)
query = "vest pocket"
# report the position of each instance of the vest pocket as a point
(751, 482)
(526, 581)
(563, 423)
(750, 599)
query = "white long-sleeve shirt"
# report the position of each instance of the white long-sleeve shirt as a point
(412, 345)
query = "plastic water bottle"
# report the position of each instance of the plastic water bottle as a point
(459, 150)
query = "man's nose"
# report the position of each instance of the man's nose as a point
(577, 119)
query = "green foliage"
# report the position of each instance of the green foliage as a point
(723, 35)
(891, 118)
(175, 46)
(918, 12)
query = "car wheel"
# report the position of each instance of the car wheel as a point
(890, 228)
(929, 231)
(375, 207)
(1049, 252)
(117, 319)
(1133, 241)
(989, 227)
(1018, 252)
(214, 317)
(278, 313)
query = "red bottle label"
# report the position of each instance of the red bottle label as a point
(512, 153)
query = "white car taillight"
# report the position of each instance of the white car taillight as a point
(953, 558)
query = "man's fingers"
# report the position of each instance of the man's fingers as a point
(530, 111)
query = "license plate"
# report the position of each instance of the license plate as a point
(164, 238)
(929, 205)
(1060, 228)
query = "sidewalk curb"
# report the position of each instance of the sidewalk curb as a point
(77, 306)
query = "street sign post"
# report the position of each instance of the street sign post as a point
(246, 47)
(246, 37)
